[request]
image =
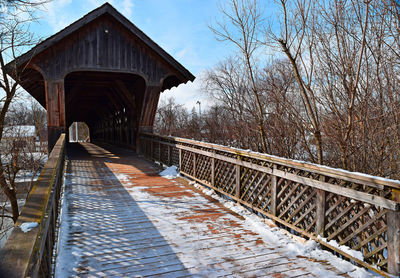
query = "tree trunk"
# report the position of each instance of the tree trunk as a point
(11, 194)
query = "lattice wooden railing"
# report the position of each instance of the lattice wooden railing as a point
(321, 203)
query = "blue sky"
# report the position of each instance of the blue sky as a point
(179, 26)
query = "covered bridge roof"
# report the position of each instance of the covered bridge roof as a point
(104, 9)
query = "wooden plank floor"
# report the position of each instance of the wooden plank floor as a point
(122, 219)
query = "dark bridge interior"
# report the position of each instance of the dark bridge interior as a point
(109, 103)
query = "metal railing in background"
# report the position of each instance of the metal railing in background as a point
(30, 254)
(318, 202)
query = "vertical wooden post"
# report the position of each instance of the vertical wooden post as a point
(138, 146)
(393, 241)
(151, 148)
(237, 169)
(180, 160)
(159, 152)
(321, 209)
(274, 192)
(213, 171)
(169, 155)
(194, 164)
(149, 107)
(55, 105)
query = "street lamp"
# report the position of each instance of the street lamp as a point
(199, 103)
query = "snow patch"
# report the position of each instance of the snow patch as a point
(125, 179)
(348, 250)
(170, 173)
(294, 246)
(27, 226)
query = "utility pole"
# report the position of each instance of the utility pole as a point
(199, 103)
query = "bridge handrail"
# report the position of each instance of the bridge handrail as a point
(357, 210)
(30, 254)
(321, 169)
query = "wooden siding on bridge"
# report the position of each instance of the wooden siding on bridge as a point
(102, 42)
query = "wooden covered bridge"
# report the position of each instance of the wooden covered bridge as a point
(101, 70)
(120, 218)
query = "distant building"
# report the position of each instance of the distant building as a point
(42, 142)
(18, 136)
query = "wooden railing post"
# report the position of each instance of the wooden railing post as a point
(393, 223)
(213, 171)
(180, 159)
(321, 209)
(237, 169)
(169, 155)
(159, 152)
(274, 192)
(194, 165)
(321, 183)
(151, 149)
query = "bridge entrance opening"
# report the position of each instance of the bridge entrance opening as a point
(78, 132)
(108, 102)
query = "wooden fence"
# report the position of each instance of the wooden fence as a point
(30, 254)
(321, 203)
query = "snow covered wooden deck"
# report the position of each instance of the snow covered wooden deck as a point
(120, 218)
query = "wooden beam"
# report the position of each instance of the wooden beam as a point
(55, 104)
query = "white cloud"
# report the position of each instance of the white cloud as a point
(127, 6)
(181, 53)
(61, 13)
(188, 94)
(55, 14)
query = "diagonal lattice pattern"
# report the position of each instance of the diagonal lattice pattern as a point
(304, 197)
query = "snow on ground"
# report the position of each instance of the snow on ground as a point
(98, 228)
(65, 259)
(309, 248)
(170, 173)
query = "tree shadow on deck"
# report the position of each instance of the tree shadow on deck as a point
(104, 231)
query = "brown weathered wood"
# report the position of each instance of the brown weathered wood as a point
(351, 193)
(152, 150)
(373, 181)
(24, 253)
(169, 155)
(213, 171)
(159, 152)
(100, 67)
(274, 194)
(306, 201)
(180, 159)
(393, 223)
(321, 209)
(237, 181)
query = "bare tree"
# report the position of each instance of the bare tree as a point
(240, 27)
(170, 118)
(228, 84)
(295, 39)
(14, 37)
(329, 94)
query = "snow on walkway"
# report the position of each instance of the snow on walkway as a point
(120, 218)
